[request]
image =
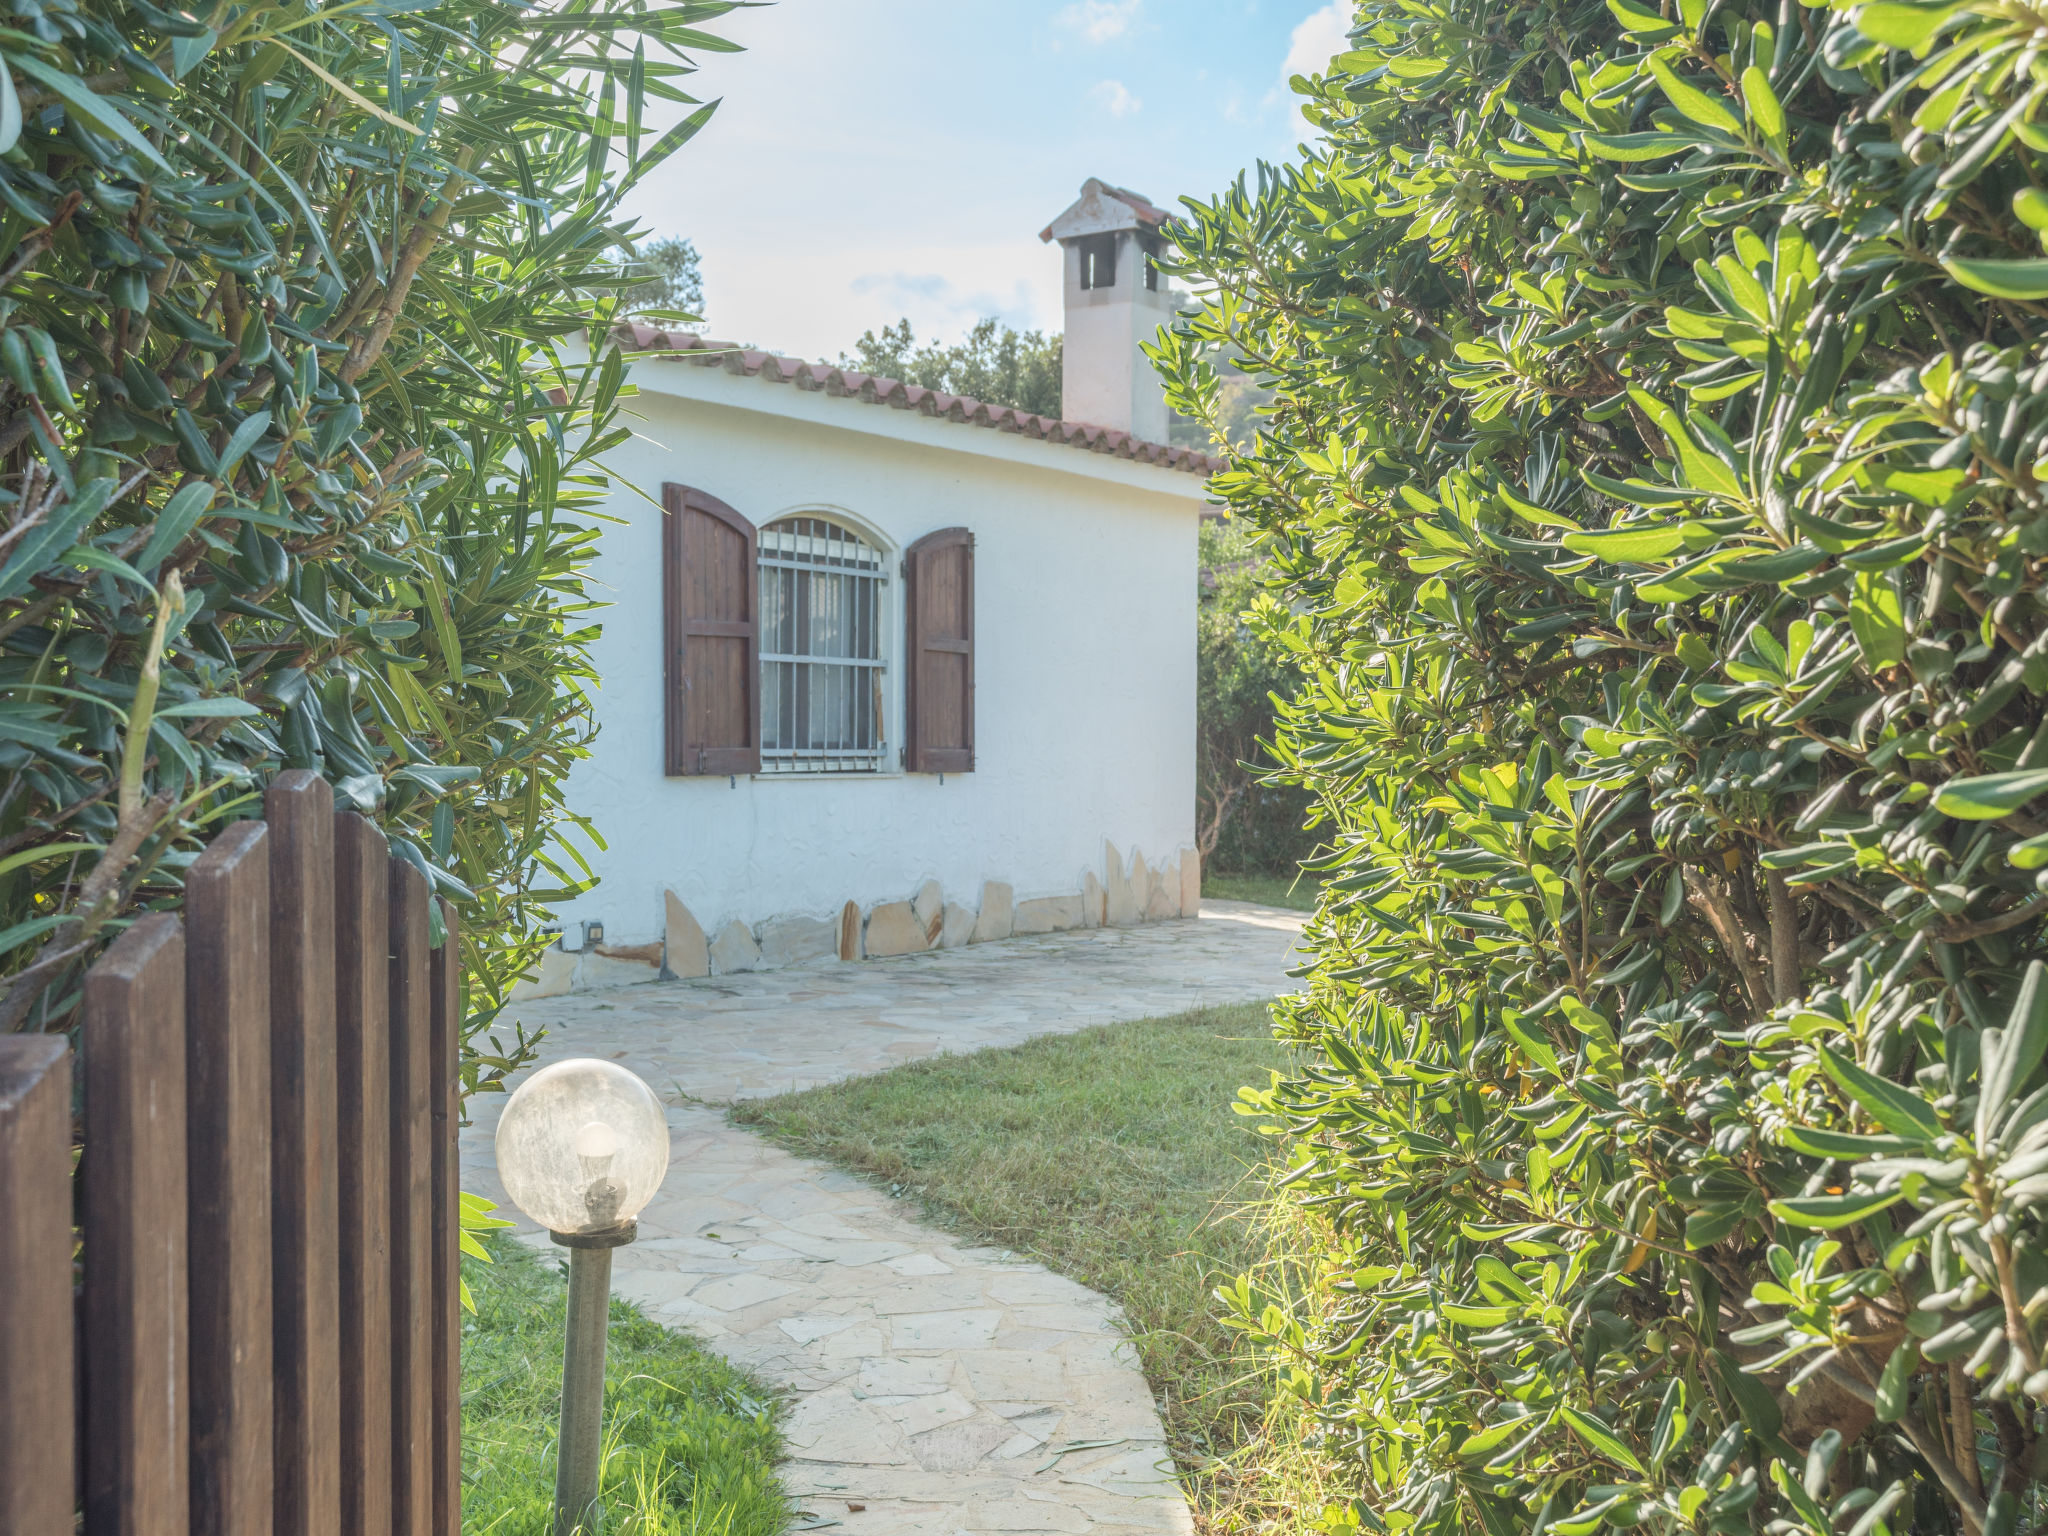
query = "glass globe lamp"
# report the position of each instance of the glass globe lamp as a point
(582, 1147)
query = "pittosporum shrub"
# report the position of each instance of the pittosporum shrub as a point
(1657, 479)
(290, 461)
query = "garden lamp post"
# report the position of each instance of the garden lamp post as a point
(582, 1147)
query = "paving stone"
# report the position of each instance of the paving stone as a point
(918, 1415)
(734, 950)
(1123, 903)
(997, 916)
(1146, 1472)
(957, 1447)
(1063, 1318)
(933, 1293)
(997, 1374)
(688, 952)
(596, 972)
(862, 1343)
(928, 906)
(834, 1425)
(965, 1329)
(957, 927)
(810, 1329)
(733, 1293)
(894, 1377)
(789, 941)
(1035, 1285)
(919, 1264)
(1164, 901)
(1048, 914)
(894, 929)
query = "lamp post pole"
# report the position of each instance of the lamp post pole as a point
(582, 1147)
(580, 1453)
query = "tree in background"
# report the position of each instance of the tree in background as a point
(670, 282)
(1245, 821)
(1656, 477)
(293, 466)
(1240, 400)
(1019, 369)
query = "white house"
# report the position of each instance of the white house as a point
(889, 669)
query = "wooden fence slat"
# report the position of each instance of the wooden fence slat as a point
(445, 1089)
(37, 1408)
(136, 1382)
(227, 1138)
(412, 1185)
(304, 1189)
(362, 1001)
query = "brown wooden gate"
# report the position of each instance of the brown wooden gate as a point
(259, 1330)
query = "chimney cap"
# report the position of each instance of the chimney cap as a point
(1103, 208)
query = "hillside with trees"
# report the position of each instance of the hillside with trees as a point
(993, 362)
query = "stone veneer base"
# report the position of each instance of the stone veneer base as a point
(1127, 892)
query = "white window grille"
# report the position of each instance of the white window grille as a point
(821, 653)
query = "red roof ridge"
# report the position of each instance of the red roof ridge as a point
(871, 389)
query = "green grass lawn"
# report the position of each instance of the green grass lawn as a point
(1294, 891)
(690, 1442)
(1113, 1157)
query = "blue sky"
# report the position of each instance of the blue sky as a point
(898, 159)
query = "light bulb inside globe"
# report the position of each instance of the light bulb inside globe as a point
(582, 1146)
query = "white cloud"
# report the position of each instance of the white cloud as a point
(1318, 39)
(1100, 21)
(1116, 98)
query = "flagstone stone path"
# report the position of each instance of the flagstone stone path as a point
(937, 1390)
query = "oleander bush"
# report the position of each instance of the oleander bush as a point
(295, 429)
(1656, 485)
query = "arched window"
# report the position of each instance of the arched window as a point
(822, 595)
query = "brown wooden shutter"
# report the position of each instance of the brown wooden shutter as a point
(938, 603)
(711, 651)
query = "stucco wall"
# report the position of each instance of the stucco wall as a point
(1085, 672)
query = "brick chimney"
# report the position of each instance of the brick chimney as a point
(1115, 299)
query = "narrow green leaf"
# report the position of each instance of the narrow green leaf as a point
(208, 709)
(175, 522)
(1473, 1317)
(1494, 1435)
(1895, 1382)
(1896, 1109)
(2025, 279)
(1819, 1143)
(1830, 1211)
(1877, 619)
(667, 145)
(1693, 102)
(1633, 147)
(246, 436)
(1899, 25)
(1989, 796)
(1599, 1439)
(1634, 545)
(1640, 492)
(10, 112)
(2020, 1047)
(1763, 104)
(100, 112)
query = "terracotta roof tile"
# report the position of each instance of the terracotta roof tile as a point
(868, 388)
